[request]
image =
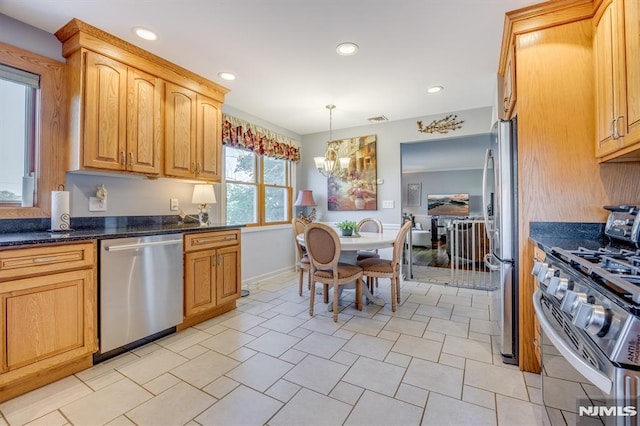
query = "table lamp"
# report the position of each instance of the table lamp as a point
(203, 195)
(305, 199)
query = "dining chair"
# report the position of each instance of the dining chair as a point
(369, 224)
(323, 248)
(304, 263)
(385, 268)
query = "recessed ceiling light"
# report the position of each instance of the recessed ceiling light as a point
(227, 76)
(145, 33)
(347, 49)
(435, 89)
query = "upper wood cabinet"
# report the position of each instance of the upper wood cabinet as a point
(133, 111)
(122, 117)
(616, 44)
(509, 85)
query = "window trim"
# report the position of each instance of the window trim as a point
(261, 189)
(51, 128)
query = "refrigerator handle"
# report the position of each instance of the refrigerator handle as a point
(485, 209)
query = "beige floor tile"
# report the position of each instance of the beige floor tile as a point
(455, 300)
(106, 367)
(121, 421)
(243, 406)
(317, 374)
(161, 383)
(227, 341)
(374, 409)
(447, 327)
(293, 356)
(398, 359)
(311, 409)
(466, 348)
(515, 412)
(434, 377)
(405, 326)
(485, 326)
(346, 392)
(465, 311)
(204, 369)
(54, 418)
(183, 339)
(344, 357)
(283, 390)
(452, 360)
(418, 347)
(369, 346)
(496, 379)
(432, 335)
(532, 379)
(434, 312)
(106, 404)
(146, 349)
(152, 366)
(283, 323)
(320, 344)
(242, 354)
(220, 387)
(344, 334)
(44, 400)
(364, 325)
(442, 410)
(375, 375)
(98, 382)
(193, 351)
(273, 343)
(176, 406)
(260, 372)
(389, 335)
(479, 337)
(535, 395)
(322, 324)
(258, 331)
(479, 397)
(424, 300)
(412, 395)
(300, 333)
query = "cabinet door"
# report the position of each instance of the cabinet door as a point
(208, 140)
(180, 127)
(105, 100)
(199, 281)
(632, 71)
(46, 317)
(509, 85)
(228, 278)
(144, 122)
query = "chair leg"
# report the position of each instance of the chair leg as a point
(398, 288)
(393, 295)
(312, 293)
(336, 298)
(325, 296)
(300, 281)
(359, 294)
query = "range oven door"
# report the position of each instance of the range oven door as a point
(573, 373)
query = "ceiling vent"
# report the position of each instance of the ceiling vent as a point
(377, 119)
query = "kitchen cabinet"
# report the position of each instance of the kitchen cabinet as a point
(123, 127)
(616, 45)
(508, 85)
(48, 305)
(212, 276)
(132, 111)
(193, 142)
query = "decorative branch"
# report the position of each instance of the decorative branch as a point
(441, 126)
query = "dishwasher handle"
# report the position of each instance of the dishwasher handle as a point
(123, 247)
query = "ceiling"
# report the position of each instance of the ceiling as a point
(283, 51)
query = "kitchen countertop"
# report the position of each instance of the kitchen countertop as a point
(100, 228)
(571, 236)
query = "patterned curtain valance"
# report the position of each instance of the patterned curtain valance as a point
(242, 134)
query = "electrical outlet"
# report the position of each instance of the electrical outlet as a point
(173, 204)
(97, 205)
(387, 204)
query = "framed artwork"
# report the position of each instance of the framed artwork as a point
(354, 186)
(414, 194)
(448, 204)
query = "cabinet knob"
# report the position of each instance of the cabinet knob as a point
(616, 134)
(193, 167)
(123, 158)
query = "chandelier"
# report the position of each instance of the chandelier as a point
(331, 164)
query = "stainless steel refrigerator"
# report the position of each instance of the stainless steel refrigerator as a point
(501, 222)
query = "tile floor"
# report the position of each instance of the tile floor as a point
(432, 362)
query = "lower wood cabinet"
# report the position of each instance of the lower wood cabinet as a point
(212, 275)
(48, 306)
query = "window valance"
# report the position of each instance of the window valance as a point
(242, 134)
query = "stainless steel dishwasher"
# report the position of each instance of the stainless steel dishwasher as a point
(140, 288)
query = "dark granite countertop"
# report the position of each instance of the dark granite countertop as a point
(34, 231)
(571, 236)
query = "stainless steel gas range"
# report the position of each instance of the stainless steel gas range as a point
(588, 307)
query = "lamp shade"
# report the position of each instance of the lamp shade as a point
(305, 198)
(203, 194)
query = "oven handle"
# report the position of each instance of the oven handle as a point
(594, 376)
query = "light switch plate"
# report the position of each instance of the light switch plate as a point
(97, 205)
(387, 204)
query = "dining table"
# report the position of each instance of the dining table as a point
(349, 247)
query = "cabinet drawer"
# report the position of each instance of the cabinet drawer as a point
(207, 240)
(25, 262)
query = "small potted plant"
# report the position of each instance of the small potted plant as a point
(347, 227)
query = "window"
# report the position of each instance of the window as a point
(258, 188)
(18, 90)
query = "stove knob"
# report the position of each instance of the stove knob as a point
(546, 273)
(594, 319)
(558, 287)
(572, 301)
(536, 267)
